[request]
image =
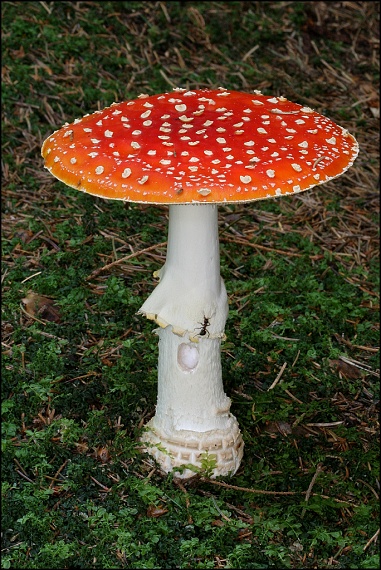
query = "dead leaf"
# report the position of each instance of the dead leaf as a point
(244, 534)
(345, 369)
(155, 512)
(23, 235)
(82, 447)
(102, 453)
(39, 306)
(278, 427)
(375, 112)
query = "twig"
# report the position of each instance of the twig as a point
(259, 491)
(100, 484)
(342, 340)
(48, 335)
(273, 249)
(360, 365)
(58, 472)
(278, 377)
(326, 424)
(31, 276)
(250, 52)
(319, 469)
(296, 358)
(91, 373)
(31, 316)
(167, 79)
(219, 510)
(341, 501)
(22, 471)
(374, 537)
(284, 337)
(4, 275)
(24, 476)
(122, 259)
(293, 397)
(370, 487)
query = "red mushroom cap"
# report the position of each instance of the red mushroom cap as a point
(201, 146)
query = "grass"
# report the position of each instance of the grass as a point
(301, 357)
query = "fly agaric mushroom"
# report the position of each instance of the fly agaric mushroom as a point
(193, 150)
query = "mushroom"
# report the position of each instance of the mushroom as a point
(193, 150)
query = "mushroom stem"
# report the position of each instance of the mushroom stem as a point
(190, 305)
(190, 288)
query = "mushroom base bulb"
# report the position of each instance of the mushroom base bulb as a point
(189, 452)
